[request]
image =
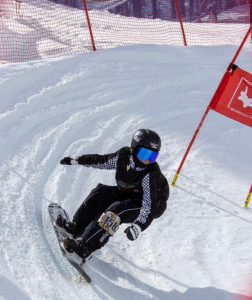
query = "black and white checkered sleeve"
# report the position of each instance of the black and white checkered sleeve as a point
(146, 204)
(111, 164)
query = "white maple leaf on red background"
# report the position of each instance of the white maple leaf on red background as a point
(245, 99)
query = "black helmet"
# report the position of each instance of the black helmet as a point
(146, 138)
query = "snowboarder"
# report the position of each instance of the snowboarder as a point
(139, 197)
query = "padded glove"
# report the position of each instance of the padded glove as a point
(133, 231)
(70, 160)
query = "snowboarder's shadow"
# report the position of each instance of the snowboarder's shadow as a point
(106, 280)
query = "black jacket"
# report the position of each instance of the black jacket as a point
(132, 175)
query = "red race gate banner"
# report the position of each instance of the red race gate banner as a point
(235, 101)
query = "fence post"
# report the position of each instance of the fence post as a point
(18, 3)
(89, 25)
(181, 23)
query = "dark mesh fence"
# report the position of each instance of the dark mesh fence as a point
(38, 29)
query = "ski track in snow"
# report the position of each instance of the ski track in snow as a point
(93, 103)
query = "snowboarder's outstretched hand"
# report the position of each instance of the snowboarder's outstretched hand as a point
(133, 232)
(70, 160)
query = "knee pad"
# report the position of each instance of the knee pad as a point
(110, 222)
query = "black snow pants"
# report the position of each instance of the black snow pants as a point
(105, 198)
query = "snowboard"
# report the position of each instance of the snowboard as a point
(54, 210)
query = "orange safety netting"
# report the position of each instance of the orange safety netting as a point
(39, 29)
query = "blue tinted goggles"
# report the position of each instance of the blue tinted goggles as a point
(144, 154)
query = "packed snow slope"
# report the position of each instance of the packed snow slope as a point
(200, 249)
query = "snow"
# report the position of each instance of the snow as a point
(200, 249)
(93, 103)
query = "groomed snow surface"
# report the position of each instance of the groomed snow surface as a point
(200, 249)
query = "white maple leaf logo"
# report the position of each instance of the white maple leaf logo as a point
(247, 102)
